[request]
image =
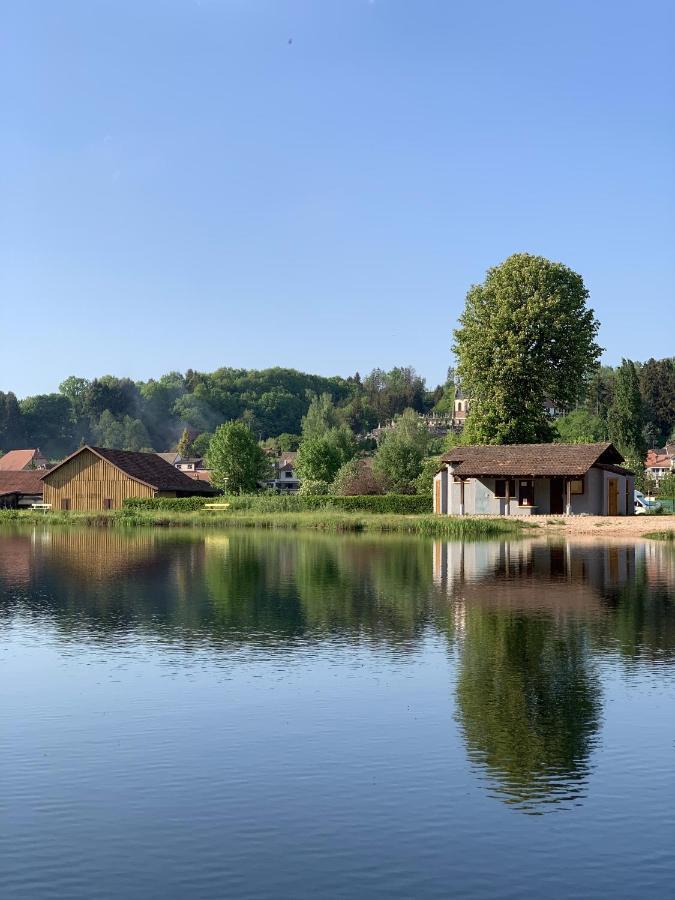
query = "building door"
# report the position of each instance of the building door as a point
(557, 500)
(613, 497)
(437, 498)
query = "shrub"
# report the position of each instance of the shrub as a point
(178, 504)
(404, 504)
(313, 488)
(356, 478)
(424, 483)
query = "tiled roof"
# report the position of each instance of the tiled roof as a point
(16, 460)
(530, 460)
(148, 468)
(28, 482)
(199, 475)
(657, 458)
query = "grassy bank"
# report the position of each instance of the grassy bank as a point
(661, 535)
(320, 520)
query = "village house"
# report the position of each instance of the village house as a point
(660, 463)
(284, 478)
(531, 479)
(189, 463)
(172, 457)
(21, 460)
(20, 489)
(100, 478)
(193, 466)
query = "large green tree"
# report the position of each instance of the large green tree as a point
(49, 423)
(526, 336)
(625, 419)
(320, 418)
(236, 460)
(657, 387)
(12, 425)
(321, 456)
(580, 427)
(390, 393)
(398, 460)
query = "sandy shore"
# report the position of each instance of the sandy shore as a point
(622, 526)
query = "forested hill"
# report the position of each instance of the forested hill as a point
(118, 412)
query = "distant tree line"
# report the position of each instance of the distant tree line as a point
(152, 415)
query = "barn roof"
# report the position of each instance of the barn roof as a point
(28, 482)
(148, 468)
(531, 460)
(16, 460)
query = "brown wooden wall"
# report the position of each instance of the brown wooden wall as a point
(87, 480)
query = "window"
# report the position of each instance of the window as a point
(289, 474)
(500, 488)
(577, 486)
(65, 503)
(526, 493)
(107, 503)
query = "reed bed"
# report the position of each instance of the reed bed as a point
(319, 520)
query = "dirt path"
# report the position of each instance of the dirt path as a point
(621, 526)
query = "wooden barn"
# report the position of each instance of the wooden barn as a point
(98, 478)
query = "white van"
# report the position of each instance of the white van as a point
(643, 505)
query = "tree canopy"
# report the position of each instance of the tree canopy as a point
(526, 336)
(273, 402)
(625, 420)
(398, 460)
(236, 460)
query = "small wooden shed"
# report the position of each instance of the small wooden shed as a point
(100, 478)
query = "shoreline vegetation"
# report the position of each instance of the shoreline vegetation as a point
(326, 520)
(668, 535)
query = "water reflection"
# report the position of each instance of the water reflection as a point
(530, 618)
(527, 624)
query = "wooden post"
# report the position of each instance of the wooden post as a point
(507, 511)
(568, 502)
(461, 497)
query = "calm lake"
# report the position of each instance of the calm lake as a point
(255, 715)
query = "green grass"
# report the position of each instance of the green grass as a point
(661, 535)
(318, 520)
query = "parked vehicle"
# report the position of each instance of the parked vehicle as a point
(644, 504)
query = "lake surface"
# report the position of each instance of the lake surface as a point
(254, 715)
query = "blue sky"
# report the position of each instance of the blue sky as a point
(183, 187)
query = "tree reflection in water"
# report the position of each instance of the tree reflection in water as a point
(529, 620)
(529, 705)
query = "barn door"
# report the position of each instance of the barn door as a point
(613, 497)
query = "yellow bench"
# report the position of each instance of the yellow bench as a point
(217, 506)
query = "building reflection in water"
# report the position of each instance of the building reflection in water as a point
(529, 619)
